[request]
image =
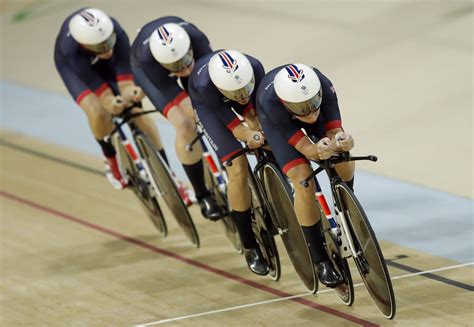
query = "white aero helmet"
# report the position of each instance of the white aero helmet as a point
(93, 29)
(170, 45)
(232, 74)
(299, 88)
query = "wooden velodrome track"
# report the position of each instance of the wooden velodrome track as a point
(77, 253)
(74, 252)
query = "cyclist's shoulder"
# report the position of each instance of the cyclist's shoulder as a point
(322, 77)
(117, 27)
(265, 91)
(200, 70)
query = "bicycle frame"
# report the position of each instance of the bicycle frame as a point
(215, 169)
(137, 158)
(344, 239)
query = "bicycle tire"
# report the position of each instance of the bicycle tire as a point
(280, 202)
(265, 239)
(345, 292)
(227, 222)
(139, 186)
(167, 188)
(370, 261)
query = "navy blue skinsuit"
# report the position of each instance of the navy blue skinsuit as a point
(283, 131)
(82, 72)
(162, 89)
(217, 114)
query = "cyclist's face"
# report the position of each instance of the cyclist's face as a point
(186, 71)
(106, 55)
(309, 119)
(244, 100)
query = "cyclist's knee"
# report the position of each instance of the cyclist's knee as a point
(299, 173)
(237, 173)
(181, 122)
(97, 113)
(186, 126)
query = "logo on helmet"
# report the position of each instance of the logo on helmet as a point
(165, 36)
(294, 73)
(228, 63)
(89, 17)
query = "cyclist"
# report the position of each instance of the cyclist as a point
(163, 55)
(92, 56)
(298, 109)
(221, 88)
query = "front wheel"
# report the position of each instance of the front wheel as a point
(141, 189)
(281, 208)
(265, 239)
(167, 188)
(369, 260)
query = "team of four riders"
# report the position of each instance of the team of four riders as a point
(293, 107)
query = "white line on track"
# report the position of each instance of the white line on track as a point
(289, 297)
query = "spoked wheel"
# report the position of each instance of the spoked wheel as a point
(369, 261)
(345, 291)
(167, 188)
(142, 190)
(227, 222)
(264, 238)
(280, 200)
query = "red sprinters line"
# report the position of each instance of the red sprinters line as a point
(188, 261)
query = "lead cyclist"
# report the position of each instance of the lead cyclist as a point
(291, 99)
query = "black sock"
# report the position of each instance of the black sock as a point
(314, 239)
(195, 173)
(163, 155)
(243, 221)
(107, 148)
(351, 184)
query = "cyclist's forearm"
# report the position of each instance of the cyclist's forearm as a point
(126, 90)
(252, 121)
(307, 148)
(242, 132)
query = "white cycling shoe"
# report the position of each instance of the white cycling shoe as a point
(113, 174)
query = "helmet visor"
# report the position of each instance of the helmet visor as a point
(304, 108)
(240, 94)
(182, 63)
(102, 47)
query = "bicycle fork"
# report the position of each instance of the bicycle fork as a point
(338, 225)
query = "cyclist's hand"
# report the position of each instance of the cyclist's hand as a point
(117, 105)
(132, 94)
(325, 150)
(344, 142)
(254, 139)
(137, 94)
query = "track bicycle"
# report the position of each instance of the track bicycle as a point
(349, 234)
(149, 176)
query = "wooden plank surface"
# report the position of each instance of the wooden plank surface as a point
(76, 252)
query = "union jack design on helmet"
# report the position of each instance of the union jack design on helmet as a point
(228, 63)
(89, 17)
(165, 36)
(294, 73)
